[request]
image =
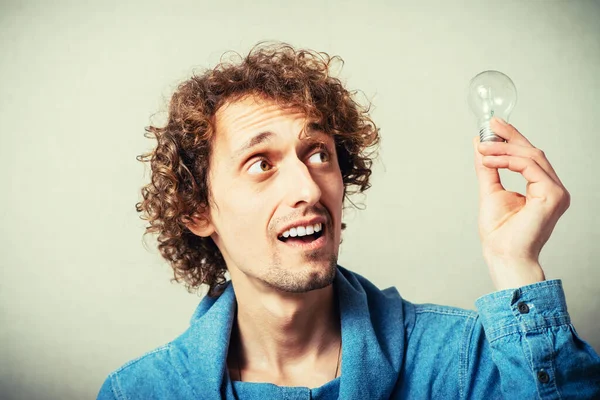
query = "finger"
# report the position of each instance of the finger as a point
(541, 185)
(508, 132)
(499, 148)
(489, 179)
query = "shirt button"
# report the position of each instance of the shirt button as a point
(543, 376)
(523, 308)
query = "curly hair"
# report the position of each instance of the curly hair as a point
(179, 189)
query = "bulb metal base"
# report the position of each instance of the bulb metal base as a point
(487, 135)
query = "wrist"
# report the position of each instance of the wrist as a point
(515, 274)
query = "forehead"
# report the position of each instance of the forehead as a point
(239, 119)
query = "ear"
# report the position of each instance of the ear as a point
(200, 226)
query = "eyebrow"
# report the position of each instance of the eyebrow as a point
(254, 141)
(267, 136)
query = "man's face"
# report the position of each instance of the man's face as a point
(266, 177)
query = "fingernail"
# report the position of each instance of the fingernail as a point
(501, 121)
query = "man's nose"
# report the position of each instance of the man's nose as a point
(300, 185)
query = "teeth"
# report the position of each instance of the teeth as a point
(302, 230)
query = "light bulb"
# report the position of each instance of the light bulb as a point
(491, 93)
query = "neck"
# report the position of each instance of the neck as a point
(286, 333)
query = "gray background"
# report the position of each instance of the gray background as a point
(79, 293)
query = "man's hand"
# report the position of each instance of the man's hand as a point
(513, 228)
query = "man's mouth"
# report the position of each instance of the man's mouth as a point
(302, 235)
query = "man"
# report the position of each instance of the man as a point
(249, 176)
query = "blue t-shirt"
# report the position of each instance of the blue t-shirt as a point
(519, 345)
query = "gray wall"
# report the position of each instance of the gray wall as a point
(79, 293)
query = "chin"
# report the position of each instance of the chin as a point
(305, 278)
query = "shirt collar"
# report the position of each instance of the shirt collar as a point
(372, 340)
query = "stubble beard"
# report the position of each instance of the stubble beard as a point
(302, 280)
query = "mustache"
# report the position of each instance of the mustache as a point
(307, 212)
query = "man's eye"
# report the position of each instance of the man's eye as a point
(259, 167)
(320, 157)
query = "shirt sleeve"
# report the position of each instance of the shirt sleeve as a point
(106, 391)
(533, 345)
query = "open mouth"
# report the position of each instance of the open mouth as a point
(302, 235)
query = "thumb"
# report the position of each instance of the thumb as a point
(489, 179)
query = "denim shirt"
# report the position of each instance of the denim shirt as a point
(519, 345)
